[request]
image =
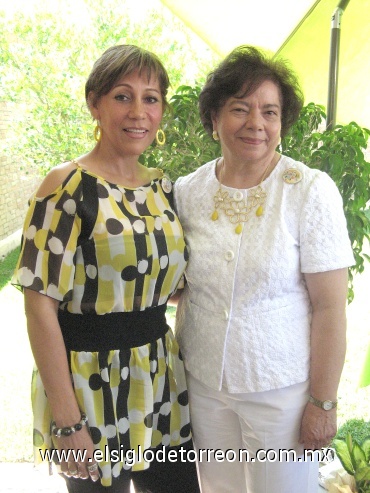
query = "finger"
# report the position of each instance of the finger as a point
(83, 473)
(73, 470)
(64, 468)
(93, 470)
(310, 445)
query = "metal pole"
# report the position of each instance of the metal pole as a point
(334, 63)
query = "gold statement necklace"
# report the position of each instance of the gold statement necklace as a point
(237, 208)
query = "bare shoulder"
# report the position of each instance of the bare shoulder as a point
(54, 178)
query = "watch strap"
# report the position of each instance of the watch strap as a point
(326, 405)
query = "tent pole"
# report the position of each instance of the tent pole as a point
(333, 64)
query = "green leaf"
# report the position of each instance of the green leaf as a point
(343, 453)
(362, 478)
(366, 448)
(358, 455)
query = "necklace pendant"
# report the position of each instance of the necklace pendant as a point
(238, 229)
(239, 206)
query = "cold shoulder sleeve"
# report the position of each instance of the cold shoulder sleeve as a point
(47, 259)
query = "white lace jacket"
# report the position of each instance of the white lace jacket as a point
(244, 317)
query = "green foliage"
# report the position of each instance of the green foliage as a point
(304, 136)
(7, 266)
(46, 54)
(340, 153)
(187, 146)
(358, 428)
(355, 459)
(41, 68)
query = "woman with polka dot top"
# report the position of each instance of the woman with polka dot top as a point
(102, 252)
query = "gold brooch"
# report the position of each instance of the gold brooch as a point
(292, 176)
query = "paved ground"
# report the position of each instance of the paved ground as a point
(23, 478)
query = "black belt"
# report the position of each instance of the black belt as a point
(91, 332)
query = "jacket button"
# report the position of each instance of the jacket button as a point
(229, 255)
(238, 196)
(226, 314)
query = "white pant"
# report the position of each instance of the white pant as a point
(258, 421)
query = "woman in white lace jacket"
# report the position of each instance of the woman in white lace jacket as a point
(261, 322)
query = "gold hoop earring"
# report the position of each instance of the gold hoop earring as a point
(160, 137)
(97, 132)
(215, 135)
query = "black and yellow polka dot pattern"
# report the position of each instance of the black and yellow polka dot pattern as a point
(133, 260)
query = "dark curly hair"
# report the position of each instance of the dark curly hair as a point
(118, 61)
(247, 66)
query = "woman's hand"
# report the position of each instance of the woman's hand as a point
(78, 450)
(318, 427)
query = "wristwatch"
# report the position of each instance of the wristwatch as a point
(326, 405)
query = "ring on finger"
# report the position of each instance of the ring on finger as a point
(93, 467)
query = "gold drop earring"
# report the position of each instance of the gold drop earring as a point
(97, 132)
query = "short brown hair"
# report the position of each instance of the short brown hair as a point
(118, 61)
(246, 65)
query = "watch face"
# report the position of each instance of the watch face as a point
(327, 405)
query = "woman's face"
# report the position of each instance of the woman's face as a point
(130, 114)
(249, 127)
